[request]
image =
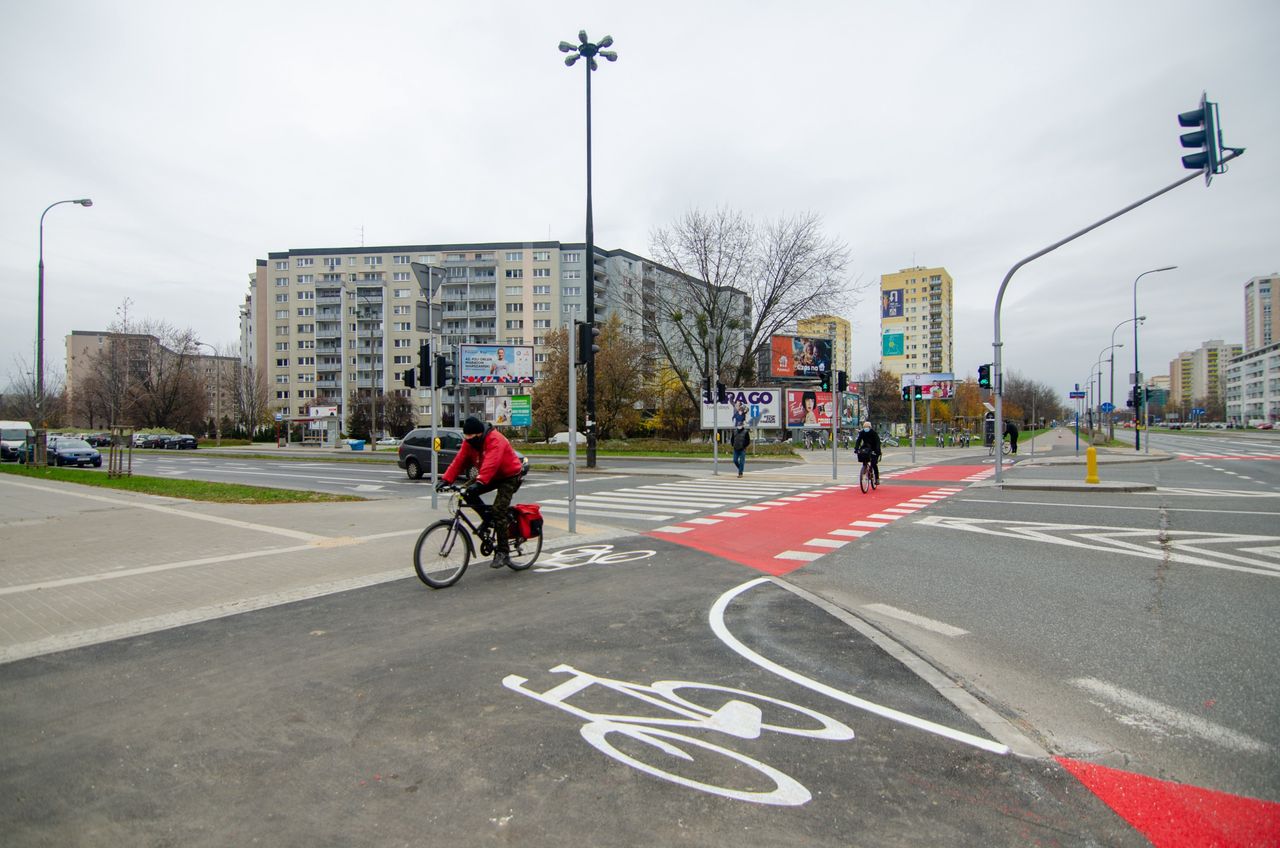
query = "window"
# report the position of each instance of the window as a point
(333, 262)
(514, 273)
(282, 265)
(456, 272)
(571, 308)
(306, 279)
(401, 326)
(304, 377)
(542, 289)
(539, 340)
(483, 257)
(571, 274)
(455, 257)
(426, 258)
(282, 363)
(400, 276)
(571, 291)
(541, 324)
(282, 330)
(306, 311)
(542, 306)
(402, 343)
(282, 282)
(401, 310)
(515, 325)
(282, 346)
(515, 256)
(401, 360)
(515, 307)
(515, 340)
(513, 291)
(542, 272)
(306, 295)
(373, 261)
(542, 256)
(282, 313)
(571, 257)
(371, 275)
(402, 259)
(282, 378)
(306, 328)
(304, 263)
(401, 292)
(283, 396)
(306, 344)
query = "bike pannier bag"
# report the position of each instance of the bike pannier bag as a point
(529, 520)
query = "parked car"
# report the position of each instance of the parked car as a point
(388, 441)
(13, 435)
(68, 451)
(563, 439)
(414, 453)
(182, 442)
(1266, 425)
(99, 440)
(150, 440)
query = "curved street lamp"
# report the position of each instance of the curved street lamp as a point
(1137, 374)
(217, 392)
(1111, 419)
(1097, 368)
(40, 413)
(585, 49)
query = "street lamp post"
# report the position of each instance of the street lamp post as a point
(585, 49)
(217, 393)
(1111, 416)
(1097, 404)
(40, 411)
(1137, 375)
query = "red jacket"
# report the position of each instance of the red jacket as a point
(496, 458)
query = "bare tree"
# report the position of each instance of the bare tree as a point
(21, 392)
(734, 286)
(252, 399)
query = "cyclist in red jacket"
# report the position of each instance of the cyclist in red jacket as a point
(500, 470)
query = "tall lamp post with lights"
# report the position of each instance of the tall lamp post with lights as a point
(1111, 416)
(584, 49)
(40, 410)
(1137, 375)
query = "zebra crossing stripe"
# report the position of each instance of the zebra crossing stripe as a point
(559, 510)
(807, 556)
(826, 543)
(626, 507)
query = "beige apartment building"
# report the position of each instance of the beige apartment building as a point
(916, 321)
(325, 326)
(1200, 375)
(1261, 317)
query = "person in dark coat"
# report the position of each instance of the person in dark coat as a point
(1012, 429)
(741, 439)
(868, 444)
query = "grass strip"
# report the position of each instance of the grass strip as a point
(194, 490)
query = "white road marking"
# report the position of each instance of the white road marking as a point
(853, 533)
(703, 521)
(1145, 712)
(673, 528)
(806, 556)
(875, 524)
(918, 620)
(753, 508)
(730, 514)
(593, 502)
(563, 510)
(901, 510)
(827, 543)
(884, 516)
(1108, 506)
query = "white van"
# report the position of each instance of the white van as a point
(13, 435)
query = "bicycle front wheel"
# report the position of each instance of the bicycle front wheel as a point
(441, 554)
(864, 478)
(524, 552)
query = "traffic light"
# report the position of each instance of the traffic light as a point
(842, 381)
(721, 395)
(444, 371)
(906, 393)
(424, 364)
(706, 390)
(410, 378)
(1207, 138)
(824, 381)
(1133, 393)
(918, 391)
(587, 347)
(984, 376)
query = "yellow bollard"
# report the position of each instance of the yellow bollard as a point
(1091, 465)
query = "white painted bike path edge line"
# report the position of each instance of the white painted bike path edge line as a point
(1000, 728)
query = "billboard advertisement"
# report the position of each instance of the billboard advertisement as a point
(522, 410)
(758, 407)
(891, 344)
(891, 303)
(936, 386)
(809, 409)
(500, 364)
(850, 410)
(799, 356)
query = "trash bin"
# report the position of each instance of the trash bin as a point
(357, 444)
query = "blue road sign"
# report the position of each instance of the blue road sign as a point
(1107, 407)
(1198, 411)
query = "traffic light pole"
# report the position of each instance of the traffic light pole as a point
(715, 415)
(573, 426)
(997, 367)
(835, 431)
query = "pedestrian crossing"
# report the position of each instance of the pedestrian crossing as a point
(662, 502)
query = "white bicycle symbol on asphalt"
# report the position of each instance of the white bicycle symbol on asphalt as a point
(739, 715)
(588, 555)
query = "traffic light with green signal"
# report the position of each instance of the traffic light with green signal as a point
(984, 376)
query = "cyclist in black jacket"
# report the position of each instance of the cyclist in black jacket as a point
(868, 444)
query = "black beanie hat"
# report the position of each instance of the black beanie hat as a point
(472, 426)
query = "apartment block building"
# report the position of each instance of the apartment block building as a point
(1200, 374)
(1261, 317)
(326, 326)
(916, 321)
(839, 329)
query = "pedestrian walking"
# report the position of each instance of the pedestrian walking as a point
(1012, 429)
(741, 439)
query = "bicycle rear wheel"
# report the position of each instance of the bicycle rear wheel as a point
(441, 554)
(875, 477)
(864, 478)
(524, 552)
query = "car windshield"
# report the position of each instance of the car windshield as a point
(13, 434)
(72, 443)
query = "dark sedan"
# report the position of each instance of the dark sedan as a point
(73, 452)
(414, 453)
(183, 442)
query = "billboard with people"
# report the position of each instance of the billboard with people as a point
(754, 407)
(809, 409)
(501, 364)
(935, 386)
(799, 356)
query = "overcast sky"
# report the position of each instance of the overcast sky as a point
(966, 135)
